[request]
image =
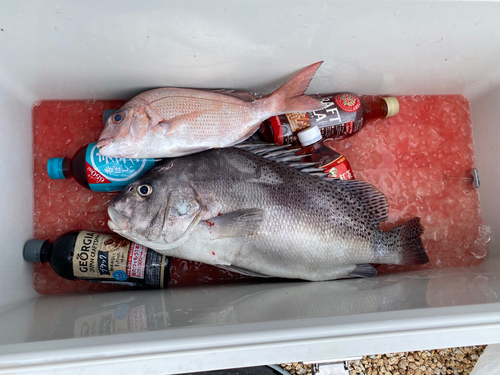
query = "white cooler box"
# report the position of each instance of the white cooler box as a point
(114, 49)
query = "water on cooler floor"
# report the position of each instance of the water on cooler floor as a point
(419, 159)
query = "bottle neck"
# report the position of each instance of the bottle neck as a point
(66, 168)
(45, 252)
(374, 110)
(310, 148)
(76, 167)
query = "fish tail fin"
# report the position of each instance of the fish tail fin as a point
(403, 244)
(290, 97)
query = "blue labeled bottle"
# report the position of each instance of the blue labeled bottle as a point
(96, 172)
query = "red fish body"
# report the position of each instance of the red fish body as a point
(171, 122)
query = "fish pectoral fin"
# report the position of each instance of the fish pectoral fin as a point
(238, 223)
(243, 271)
(363, 270)
(176, 122)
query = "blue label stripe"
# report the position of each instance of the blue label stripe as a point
(119, 171)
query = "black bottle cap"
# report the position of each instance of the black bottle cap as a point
(32, 250)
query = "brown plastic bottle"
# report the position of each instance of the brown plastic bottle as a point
(332, 162)
(344, 114)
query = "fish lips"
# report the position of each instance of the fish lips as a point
(103, 144)
(117, 221)
(107, 148)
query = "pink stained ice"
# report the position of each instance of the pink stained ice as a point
(60, 129)
(419, 159)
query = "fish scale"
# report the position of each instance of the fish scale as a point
(218, 112)
(259, 217)
(169, 121)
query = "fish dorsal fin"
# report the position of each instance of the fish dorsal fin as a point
(282, 155)
(245, 96)
(372, 200)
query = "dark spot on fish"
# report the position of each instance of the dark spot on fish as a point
(219, 214)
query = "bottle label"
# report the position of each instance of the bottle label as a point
(298, 121)
(112, 173)
(111, 258)
(342, 115)
(339, 168)
(348, 102)
(277, 130)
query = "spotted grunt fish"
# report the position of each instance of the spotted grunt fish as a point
(170, 122)
(240, 211)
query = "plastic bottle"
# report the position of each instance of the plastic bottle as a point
(107, 258)
(332, 162)
(96, 172)
(344, 114)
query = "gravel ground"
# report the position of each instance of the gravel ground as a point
(427, 362)
(297, 368)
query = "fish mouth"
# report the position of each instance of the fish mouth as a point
(107, 147)
(103, 143)
(117, 221)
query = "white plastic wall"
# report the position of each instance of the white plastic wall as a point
(115, 49)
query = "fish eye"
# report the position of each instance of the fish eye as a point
(117, 118)
(144, 190)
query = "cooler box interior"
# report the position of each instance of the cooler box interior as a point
(116, 49)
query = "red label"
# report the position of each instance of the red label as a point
(277, 130)
(349, 127)
(136, 260)
(339, 168)
(348, 102)
(94, 177)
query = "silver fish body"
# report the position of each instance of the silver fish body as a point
(237, 210)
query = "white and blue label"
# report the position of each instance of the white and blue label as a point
(108, 174)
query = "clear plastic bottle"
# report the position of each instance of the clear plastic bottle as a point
(96, 172)
(344, 114)
(332, 162)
